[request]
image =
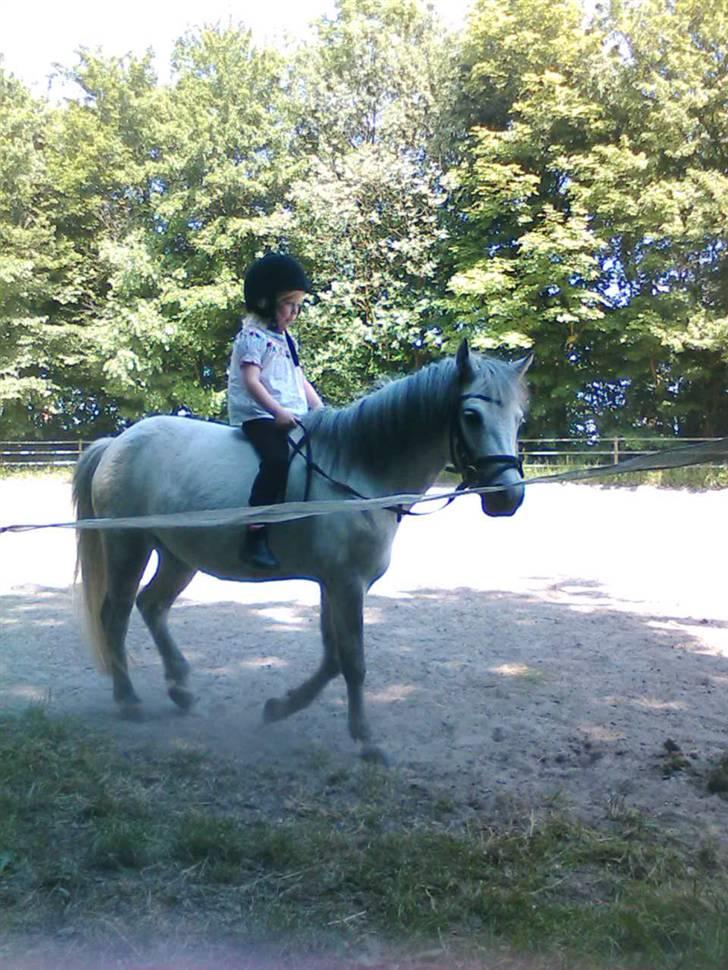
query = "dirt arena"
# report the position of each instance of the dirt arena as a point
(543, 659)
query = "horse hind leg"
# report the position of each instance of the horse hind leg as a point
(276, 709)
(154, 603)
(126, 557)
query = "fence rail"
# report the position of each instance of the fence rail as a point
(41, 453)
(615, 449)
(544, 451)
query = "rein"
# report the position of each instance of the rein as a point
(471, 469)
(304, 449)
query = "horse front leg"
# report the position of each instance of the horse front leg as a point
(278, 708)
(342, 629)
(348, 613)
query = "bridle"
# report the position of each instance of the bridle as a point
(471, 468)
(477, 470)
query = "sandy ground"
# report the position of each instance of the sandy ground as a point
(540, 659)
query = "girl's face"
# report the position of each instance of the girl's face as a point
(288, 306)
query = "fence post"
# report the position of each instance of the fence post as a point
(615, 451)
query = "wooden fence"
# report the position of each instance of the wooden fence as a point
(546, 451)
(558, 451)
(40, 453)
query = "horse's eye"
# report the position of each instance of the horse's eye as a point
(470, 416)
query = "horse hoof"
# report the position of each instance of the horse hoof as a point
(374, 755)
(274, 710)
(183, 698)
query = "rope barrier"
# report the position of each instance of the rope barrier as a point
(710, 452)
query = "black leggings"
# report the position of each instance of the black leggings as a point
(271, 443)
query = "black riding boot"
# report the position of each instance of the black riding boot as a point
(255, 551)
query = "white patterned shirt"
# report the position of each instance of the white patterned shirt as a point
(256, 344)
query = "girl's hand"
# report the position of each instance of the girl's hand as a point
(285, 419)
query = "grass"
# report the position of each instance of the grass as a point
(58, 472)
(693, 477)
(183, 845)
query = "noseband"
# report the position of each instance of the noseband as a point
(472, 469)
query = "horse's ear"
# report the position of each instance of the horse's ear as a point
(463, 361)
(523, 363)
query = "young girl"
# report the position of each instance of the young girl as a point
(267, 390)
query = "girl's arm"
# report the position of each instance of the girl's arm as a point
(312, 398)
(255, 387)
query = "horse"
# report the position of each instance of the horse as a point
(398, 438)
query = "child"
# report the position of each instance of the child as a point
(267, 391)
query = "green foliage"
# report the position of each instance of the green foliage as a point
(366, 209)
(370, 228)
(593, 197)
(546, 180)
(29, 256)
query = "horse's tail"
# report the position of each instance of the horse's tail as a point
(90, 554)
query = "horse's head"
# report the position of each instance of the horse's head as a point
(484, 438)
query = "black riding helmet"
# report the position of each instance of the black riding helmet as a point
(269, 276)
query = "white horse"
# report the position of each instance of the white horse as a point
(394, 440)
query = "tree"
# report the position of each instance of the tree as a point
(365, 212)
(526, 264)
(659, 193)
(31, 261)
(99, 164)
(593, 202)
(550, 182)
(370, 231)
(223, 167)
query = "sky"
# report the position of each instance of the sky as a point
(36, 34)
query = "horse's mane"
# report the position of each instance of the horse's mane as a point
(400, 415)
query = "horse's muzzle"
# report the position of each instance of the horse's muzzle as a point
(505, 471)
(507, 501)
